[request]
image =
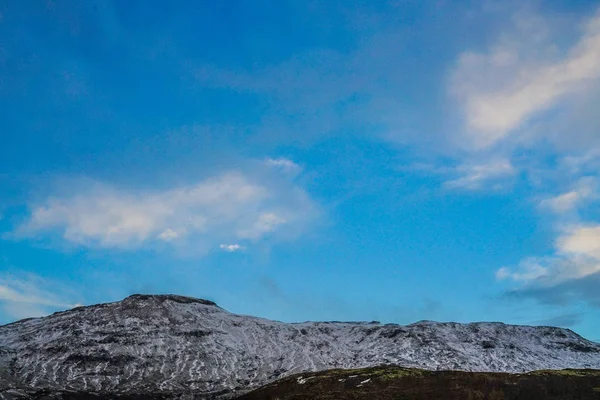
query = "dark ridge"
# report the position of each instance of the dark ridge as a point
(171, 297)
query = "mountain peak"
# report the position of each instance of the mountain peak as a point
(169, 297)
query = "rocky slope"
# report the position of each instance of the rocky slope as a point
(175, 344)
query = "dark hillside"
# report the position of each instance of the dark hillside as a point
(387, 383)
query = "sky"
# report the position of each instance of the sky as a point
(304, 160)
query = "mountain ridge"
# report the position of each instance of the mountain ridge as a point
(170, 343)
(191, 299)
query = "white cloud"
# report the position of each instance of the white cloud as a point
(529, 269)
(482, 175)
(563, 202)
(197, 215)
(283, 164)
(266, 222)
(577, 255)
(502, 89)
(231, 247)
(581, 241)
(23, 297)
(168, 234)
(583, 192)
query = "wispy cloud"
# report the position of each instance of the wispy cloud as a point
(490, 175)
(472, 174)
(577, 256)
(586, 163)
(504, 88)
(199, 215)
(575, 262)
(583, 192)
(30, 296)
(563, 202)
(570, 272)
(519, 102)
(283, 164)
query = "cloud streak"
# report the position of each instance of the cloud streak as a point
(585, 191)
(283, 164)
(23, 297)
(474, 176)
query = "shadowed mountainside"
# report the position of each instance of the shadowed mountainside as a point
(394, 383)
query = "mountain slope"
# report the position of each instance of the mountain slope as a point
(166, 343)
(390, 383)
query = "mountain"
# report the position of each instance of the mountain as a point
(392, 383)
(175, 344)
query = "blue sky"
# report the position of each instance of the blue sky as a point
(304, 160)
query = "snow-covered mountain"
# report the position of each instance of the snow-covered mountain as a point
(168, 343)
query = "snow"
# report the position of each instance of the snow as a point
(174, 343)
